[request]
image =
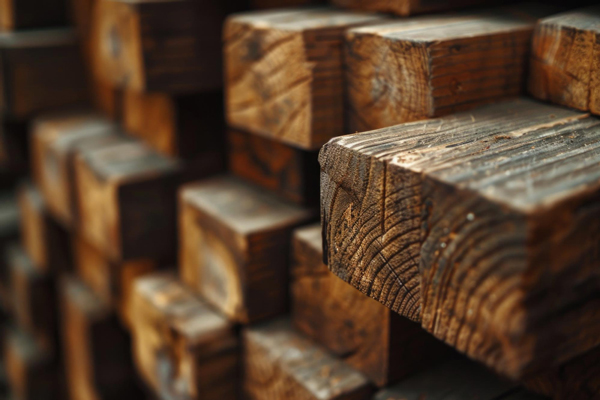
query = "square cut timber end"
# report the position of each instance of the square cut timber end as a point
(32, 14)
(565, 60)
(46, 242)
(182, 348)
(41, 70)
(158, 45)
(418, 68)
(112, 281)
(364, 333)
(97, 350)
(406, 7)
(284, 170)
(483, 226)
(280, 363)
(55, 140)
(284, 73)
(126, 197)
(234, 246)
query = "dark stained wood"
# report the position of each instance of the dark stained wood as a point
(183, 349)
(282, 364)
(32, 14)
(361, 331)
(284, 73)
(41, 70)
(126, 198)
(234, 246)
(405, 7)
(413, 69)
(289, 172)
(482, 225)
(564, 62)
(97, 349)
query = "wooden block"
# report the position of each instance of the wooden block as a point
(31, 370)
(182, 348)
(126, 200)
(418, 68)
(565, 66)
(44, 240)
(109, 280)
(282, 364)
(32, 14)
(361, 331)
(184, 126)
(472, 224)
(405, 7)
(287, 171)
(41, 70)
(165, 46)
(234, 250)
(284, 73)
(97, 349)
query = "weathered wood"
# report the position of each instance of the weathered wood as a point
(32, 14)
(565, 66)
(364, 333)
(418, 68)
(164, 45)
(284, 73)
(481, 225)
(126, 197)
(289, 172)
(405, 7)
(184, 126)
(235, 242)
(282, 364)
(182, 348)
(56, 139)
(111, 281)
(41, 69)
(97, 349)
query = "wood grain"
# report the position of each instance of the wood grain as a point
(564, 61)
(32, 14)
(405, 7)
(479, 225)
(282, 364)
(235, 242)
(183, 349)
(284, 73)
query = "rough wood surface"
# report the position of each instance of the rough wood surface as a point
(41, 70)
(183, 349)
(413, 69)
(235, 242)
(361, 331)
(32, 14)
(481, 225)
(565, 60)
(284, 73)
(289, 172)
(405, 7)
(126, 197)
(282, 364)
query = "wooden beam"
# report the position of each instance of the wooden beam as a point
(282, 364)
(284, 73)
(182, 348)
(564, 61)
(405, 7)
(32, 14)
(471, 224)
(235, 242)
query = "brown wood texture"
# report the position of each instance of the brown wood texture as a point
(413, 69)
(41, 70)
(182, 348)
(480, 225)
(184, 126)
(406, 7)
(56, 140)
(97, 350)
(286, 171)
(565, 60)
(234, 246)
(284, 73)
(361, 331)
(167, 46)
(126, 198)
(282, 364)
(32, 14)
